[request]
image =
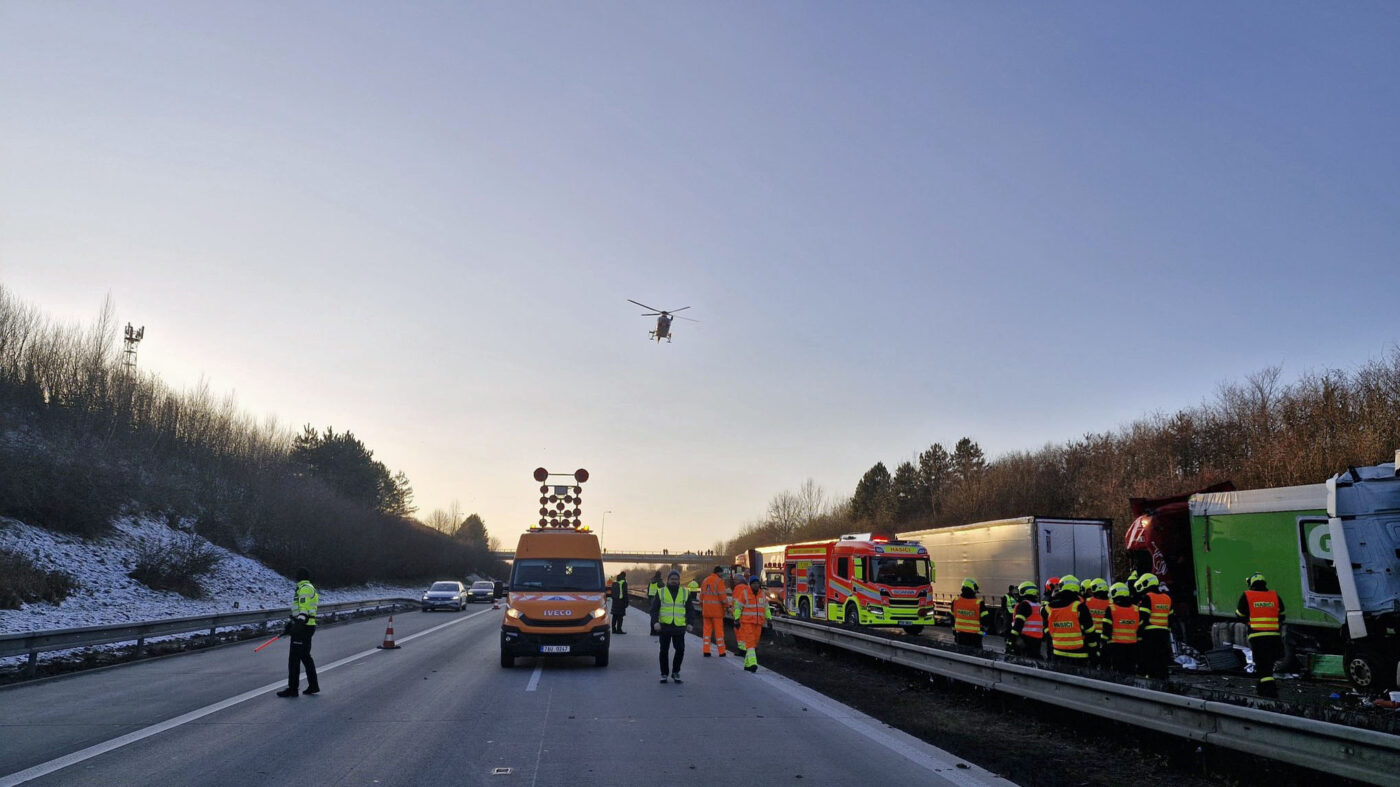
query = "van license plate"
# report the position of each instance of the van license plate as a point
(554, 648)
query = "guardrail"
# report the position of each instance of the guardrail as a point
(1364, 755)
(35, 642)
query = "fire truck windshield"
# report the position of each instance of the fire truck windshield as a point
(900, 571)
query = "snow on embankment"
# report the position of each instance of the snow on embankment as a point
(107, 596)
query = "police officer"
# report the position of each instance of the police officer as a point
(301, 626)
(652, 587)
(969, 616)
(1264, 610)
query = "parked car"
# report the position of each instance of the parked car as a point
(452, 595)
(484, 590)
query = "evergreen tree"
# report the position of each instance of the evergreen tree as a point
(472, 531)
(872, 500)
(935, 473)
(344, 464)
(968, 460)
(907, 494)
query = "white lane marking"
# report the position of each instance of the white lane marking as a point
(535, 678)
(45, 768)
(923, 754)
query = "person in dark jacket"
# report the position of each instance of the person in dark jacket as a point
(670, 609)
(619, 601)
(301, 625)
(1263, 608)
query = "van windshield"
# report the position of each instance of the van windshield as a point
(557, 574)
(900, 571)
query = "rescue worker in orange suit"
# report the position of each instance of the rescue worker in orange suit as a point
(1155, 646)
(619, 601)
(670, 608)
(969, 616)
(751, 612)
(744, 594)
(1122, 627)
(712, 593)
(1027, 626)
(1096, 599)
(1069, 624)
(1264, 610)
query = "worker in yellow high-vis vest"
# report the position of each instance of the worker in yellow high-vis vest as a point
(301, 626)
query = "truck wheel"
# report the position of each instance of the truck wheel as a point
(804, 609)
(1367, 671)
(852, 615)
(600, 659)
(507, 660)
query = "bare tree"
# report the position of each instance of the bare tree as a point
(785, 515)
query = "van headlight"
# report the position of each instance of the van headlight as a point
(512, 613)
(598, 613)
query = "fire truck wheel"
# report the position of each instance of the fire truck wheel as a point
(852, 615)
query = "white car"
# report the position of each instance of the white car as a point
(445, 595)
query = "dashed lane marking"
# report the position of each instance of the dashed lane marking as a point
(45, 768)
(535, 678)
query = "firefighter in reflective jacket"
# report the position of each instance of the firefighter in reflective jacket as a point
(1069, 624)
(751, 612)
(1096, 599)
(1122, 627)
(301, 627)
(712, 592)
(1027, 627)
(969, 616)
(1264, 610)
(1155, 645)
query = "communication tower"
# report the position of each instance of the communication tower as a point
(129, 343)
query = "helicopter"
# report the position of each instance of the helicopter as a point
(663, 320)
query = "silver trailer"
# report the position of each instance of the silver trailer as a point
(1004, 553)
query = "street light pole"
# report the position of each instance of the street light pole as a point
(603, 530)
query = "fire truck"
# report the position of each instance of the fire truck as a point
(861, 579)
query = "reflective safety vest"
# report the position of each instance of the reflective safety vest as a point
(1066, 637)
(619, 590)
(1159, 608)
(743, 596)
(967, 616)
(753, 610)
(1125, 624)
(672, 606)
(1263, 613)
(1034, 625)
(1098, 608)
(712, 596)
(652, 587)
(307, 599)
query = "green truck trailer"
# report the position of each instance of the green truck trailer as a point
(1331, 550)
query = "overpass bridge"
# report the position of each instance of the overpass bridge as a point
(634, 557)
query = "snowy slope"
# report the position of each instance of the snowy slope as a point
(107, 596)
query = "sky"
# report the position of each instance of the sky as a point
(897, 223)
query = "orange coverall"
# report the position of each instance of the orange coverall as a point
(743, 596)
(712, 610)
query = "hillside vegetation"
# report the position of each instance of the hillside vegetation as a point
(83, 439)
(1258, 433)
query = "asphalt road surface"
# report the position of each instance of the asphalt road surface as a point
(441, 710)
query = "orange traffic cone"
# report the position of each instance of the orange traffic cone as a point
(389, 636)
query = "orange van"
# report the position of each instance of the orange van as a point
(554, 603)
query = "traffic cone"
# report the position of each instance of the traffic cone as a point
(389, 636)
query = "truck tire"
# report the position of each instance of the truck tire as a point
(507, 659)
(852, 615)
(600, 659)
(1368, 671)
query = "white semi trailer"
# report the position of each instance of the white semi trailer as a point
(1004, 553)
